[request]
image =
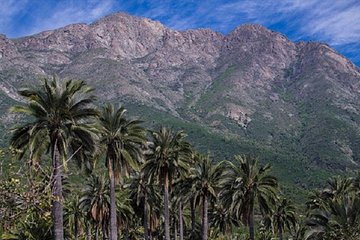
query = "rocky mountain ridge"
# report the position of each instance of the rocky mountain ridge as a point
(252, 83)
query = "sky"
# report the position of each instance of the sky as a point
(335, 22)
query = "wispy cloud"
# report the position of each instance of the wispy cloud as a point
(68, 12)
(336, 22)
(8, 10)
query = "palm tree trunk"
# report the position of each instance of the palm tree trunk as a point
(104, 231)
(57, 195)
(127, 232)
(193, 219)
(280, 232)
(88, 231)
(97, 233)
(175, 230)
(166, 207)
(181, 225)
(205, 217)
(113, 224)
(151, 223)
(146, 227)
(76, 227)
(251, 223)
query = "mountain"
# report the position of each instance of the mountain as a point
(254, 91)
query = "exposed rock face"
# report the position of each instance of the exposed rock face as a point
(7, 48)
(253, 80)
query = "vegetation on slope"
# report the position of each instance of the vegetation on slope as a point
(203, 196)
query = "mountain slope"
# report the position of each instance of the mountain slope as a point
(253, 85)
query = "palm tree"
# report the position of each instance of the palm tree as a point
(60, 114)
(284, 216)
(169, 157)
(334, 211)
(356, 182)
(205, 179)
(95, 202)
(182, 192)
(122, 139)
(339, 220)
(337, 187)
(245, 184)
(125, 212)
(186, 194)
(73, 216)
(181, 220)
(221, 219)
(147, 197)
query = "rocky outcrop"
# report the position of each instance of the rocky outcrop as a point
(253, 82)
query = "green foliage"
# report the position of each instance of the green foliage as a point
(60, 115)
(241, 193)
(215, 90)
(334, 212)
(169, 155)
(121, 139)
(25, 206)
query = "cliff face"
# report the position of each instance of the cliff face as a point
(253, 82)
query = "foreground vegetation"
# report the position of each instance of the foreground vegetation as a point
(133, 183)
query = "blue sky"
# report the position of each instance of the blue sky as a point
(336, 22)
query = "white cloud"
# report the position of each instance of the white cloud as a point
(69, 12)
(8, 9)
(336, 22)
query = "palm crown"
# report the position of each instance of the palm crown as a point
(169, 157)
(122, 140)
(205, 179)
(61, 115)
(245, 184)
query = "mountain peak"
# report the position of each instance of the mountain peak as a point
(255, 32)
(252, 78)
(253, 28)
(125, 18)
(117, 16)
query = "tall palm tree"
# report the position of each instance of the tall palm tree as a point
(356, 182)
(147, 197)
(60, 116)
(122, 139)
(186, 194)
(334, 211)
(245, 184)
(284, 217)
(125, 212)
(73, 216)
(221, 219)
(339, 220)
(205, 180)
(95, 202)
(179, 199)
(337, 187)
(169, 156)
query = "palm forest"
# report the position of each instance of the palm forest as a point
(89, 172)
